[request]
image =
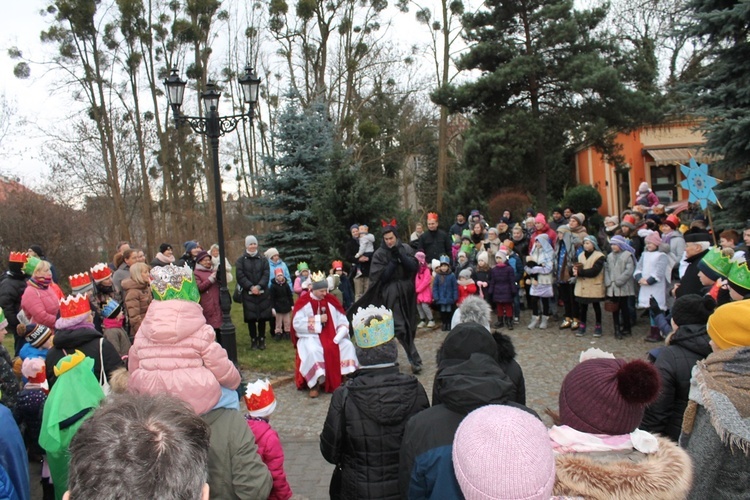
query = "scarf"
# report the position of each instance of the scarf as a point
(163, 258)
(723, 381)
(41, 282)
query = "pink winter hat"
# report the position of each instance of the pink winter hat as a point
(503, 452)
(420, 256)
(654, 238)
(540, 218)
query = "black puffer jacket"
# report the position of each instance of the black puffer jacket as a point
(87, 341)
(506, 354)
(364, 429)
(254, 271)
(675, 364)
(11, 291)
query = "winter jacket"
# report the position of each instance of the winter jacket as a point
(235, 469)
(434, 244)
(176, 352)
(137, 299)
(186, 258)
(11, 292)
(14, 462)
(689, 344)
(282, 299)
(86, 340)
(209, 289)
(445, 289)
(423, 285)
(8, 381)
(40, 305)
(506, 358)
(502, 287)
(690, 283)
(466, 289)
(364, 428)
(253, 270)
(272, 272)
(618, 274)
(521, 247)
(426, 464)
(120, 274)
(542, 277)
(590, 282)
(270, 450)
(483, 281)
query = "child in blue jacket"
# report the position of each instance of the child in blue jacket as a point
(445, 291)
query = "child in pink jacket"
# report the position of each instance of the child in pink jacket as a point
(423, 285)
(175, 351)
(261, 402)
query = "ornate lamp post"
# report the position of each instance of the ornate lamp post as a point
(214, 126)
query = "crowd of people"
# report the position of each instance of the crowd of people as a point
(130, 363)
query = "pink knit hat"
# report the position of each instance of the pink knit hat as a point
(654, 238)
(607, 396)
(540, 218)
(420, 257)
(503, 452)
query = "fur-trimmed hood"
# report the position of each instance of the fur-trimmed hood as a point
(666, 474)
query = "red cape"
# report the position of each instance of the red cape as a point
(331, 355)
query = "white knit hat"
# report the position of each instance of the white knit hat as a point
(503, 452)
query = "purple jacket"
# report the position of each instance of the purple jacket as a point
(502, 286)
(209, 295)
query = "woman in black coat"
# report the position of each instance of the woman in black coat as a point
(253, 275)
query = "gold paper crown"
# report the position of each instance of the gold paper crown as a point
(373, 326)
(318, 276)
(68, 362)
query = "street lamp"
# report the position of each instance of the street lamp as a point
(214, 126)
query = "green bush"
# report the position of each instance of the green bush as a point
(583, 198)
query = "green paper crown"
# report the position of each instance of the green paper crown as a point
(30, 265)
(302, 266)
(739, 277)
(172, 282)
(3, 321)
(372, 326)
(718, 262)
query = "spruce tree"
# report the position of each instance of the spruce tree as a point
(549, 79)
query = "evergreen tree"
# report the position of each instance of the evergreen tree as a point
(550, 79)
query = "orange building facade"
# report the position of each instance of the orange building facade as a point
(652, 154)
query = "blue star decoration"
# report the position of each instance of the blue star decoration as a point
(699, 183)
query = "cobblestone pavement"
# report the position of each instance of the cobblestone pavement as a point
(546, 356)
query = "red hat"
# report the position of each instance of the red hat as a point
(337, 264)
(628, 221)
(672, 221)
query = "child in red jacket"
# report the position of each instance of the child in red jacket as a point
(466, 286)
(261, 402)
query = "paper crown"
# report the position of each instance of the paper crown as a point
(717, 261)
(278, 271)
(302, 266)
(73, 306)
(739, 277)
(172, 282)
(69, 362)
(100, 272)
(80, 282)
(260, 399)
(19, 257)
(33, 369)
(30, 265)
(373, 326)
(3, 321)
(319, 280)
(111, 309)
(337, 264)
(432, 216)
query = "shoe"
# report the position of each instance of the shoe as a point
(430, 324)
(543, 323)
(254, 345)
(498, 323)
(654, 335)
(626, 333)
(421, 324)
(566, 323)
(314, 392)
(597, 331)
(509, 323)
(516, 320)
(277, 337)
(574, 325)
(581, 330)
(262, 343)
(416, 369)
(534, 322)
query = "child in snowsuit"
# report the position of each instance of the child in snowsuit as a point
(445, 291)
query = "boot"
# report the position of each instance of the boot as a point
(566, 323)
(254, 345)
(616, 321)
(534, 322)
(262, 343)
(653, 335)
(543, 324)
(509, 323)
(581, 330)
(499, 323)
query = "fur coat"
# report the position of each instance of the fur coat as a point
(666, 474)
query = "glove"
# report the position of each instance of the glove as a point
(653, 306)
(340, 336)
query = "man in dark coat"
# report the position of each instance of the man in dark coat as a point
(458, 227)
(434, 242)
(365, 423)
(392, 274)
(253, 275)
(468, 377)
(12, 287)
(697, 243)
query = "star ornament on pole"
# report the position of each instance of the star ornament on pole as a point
(699, 183)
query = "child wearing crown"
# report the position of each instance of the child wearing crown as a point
(320, 333)
(261, 402)
(361, 434)
(175, 351)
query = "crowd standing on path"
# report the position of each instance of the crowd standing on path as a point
(675, 426)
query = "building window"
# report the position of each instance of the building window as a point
(664, 182)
